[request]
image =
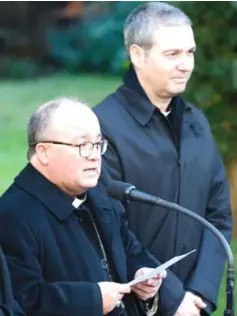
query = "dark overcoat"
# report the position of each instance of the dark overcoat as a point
(180, 163)
(53, 268)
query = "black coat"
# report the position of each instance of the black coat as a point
(53, 270)
(144, 150)
(8, 306)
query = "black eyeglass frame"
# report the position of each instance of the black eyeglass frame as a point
(103, 143)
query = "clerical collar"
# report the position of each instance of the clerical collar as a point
(79, 200)
(166, 113)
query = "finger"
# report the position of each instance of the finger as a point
(199, 302)
(146, 290)
(154, 282)
(117, 300)
(142, 287)
(161, 275)
(195, 311)
(146, 287)
(123, 288)
(143, 295)
(119, 297)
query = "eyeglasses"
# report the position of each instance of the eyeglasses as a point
(85, 149)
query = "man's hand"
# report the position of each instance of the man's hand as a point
(148, 289)
(112, 293)
(191, 305)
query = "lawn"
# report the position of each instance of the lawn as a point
(20, 98)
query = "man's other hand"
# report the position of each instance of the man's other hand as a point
(191, 305)
(148, 289)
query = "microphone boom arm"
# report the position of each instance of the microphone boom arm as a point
(131, 194)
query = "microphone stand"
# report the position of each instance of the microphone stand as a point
(131, 194)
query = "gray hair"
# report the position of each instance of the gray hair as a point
(141, 23)
(39, 123)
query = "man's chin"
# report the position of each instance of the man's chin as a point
(90, 184)
(177, 91)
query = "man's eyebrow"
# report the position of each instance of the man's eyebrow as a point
(84, 136)
(193, 48)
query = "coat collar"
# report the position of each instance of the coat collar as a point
(138, 103)
(53, 198)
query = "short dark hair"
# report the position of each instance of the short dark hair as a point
(140, 24)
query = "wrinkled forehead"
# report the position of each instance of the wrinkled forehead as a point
(76, 124)
(174, 37)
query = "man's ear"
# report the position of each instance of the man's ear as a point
(42, 153)
(137, 56)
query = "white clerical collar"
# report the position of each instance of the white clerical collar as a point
(77, 202)
(166, 113)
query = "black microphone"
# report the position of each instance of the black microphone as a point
(126, 192)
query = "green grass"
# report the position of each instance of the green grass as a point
(20, 98)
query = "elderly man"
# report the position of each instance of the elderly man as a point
(164, 146)
(67, 250)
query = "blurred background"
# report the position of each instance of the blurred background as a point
(64, 48)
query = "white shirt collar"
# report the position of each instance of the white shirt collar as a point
(166, 113)
(77, 202)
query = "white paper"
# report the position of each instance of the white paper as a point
(159, 269)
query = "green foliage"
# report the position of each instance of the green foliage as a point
(94, 45)
(18, 68)
(213, 86)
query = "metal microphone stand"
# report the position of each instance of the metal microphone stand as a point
(230, 279)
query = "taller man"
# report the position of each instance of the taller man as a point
(164, 146)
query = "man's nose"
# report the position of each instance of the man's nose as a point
(186, 63)
(95, 154)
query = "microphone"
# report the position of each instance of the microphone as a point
(126, 192)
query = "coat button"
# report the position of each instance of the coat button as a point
(147, 306)
(103, 263)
